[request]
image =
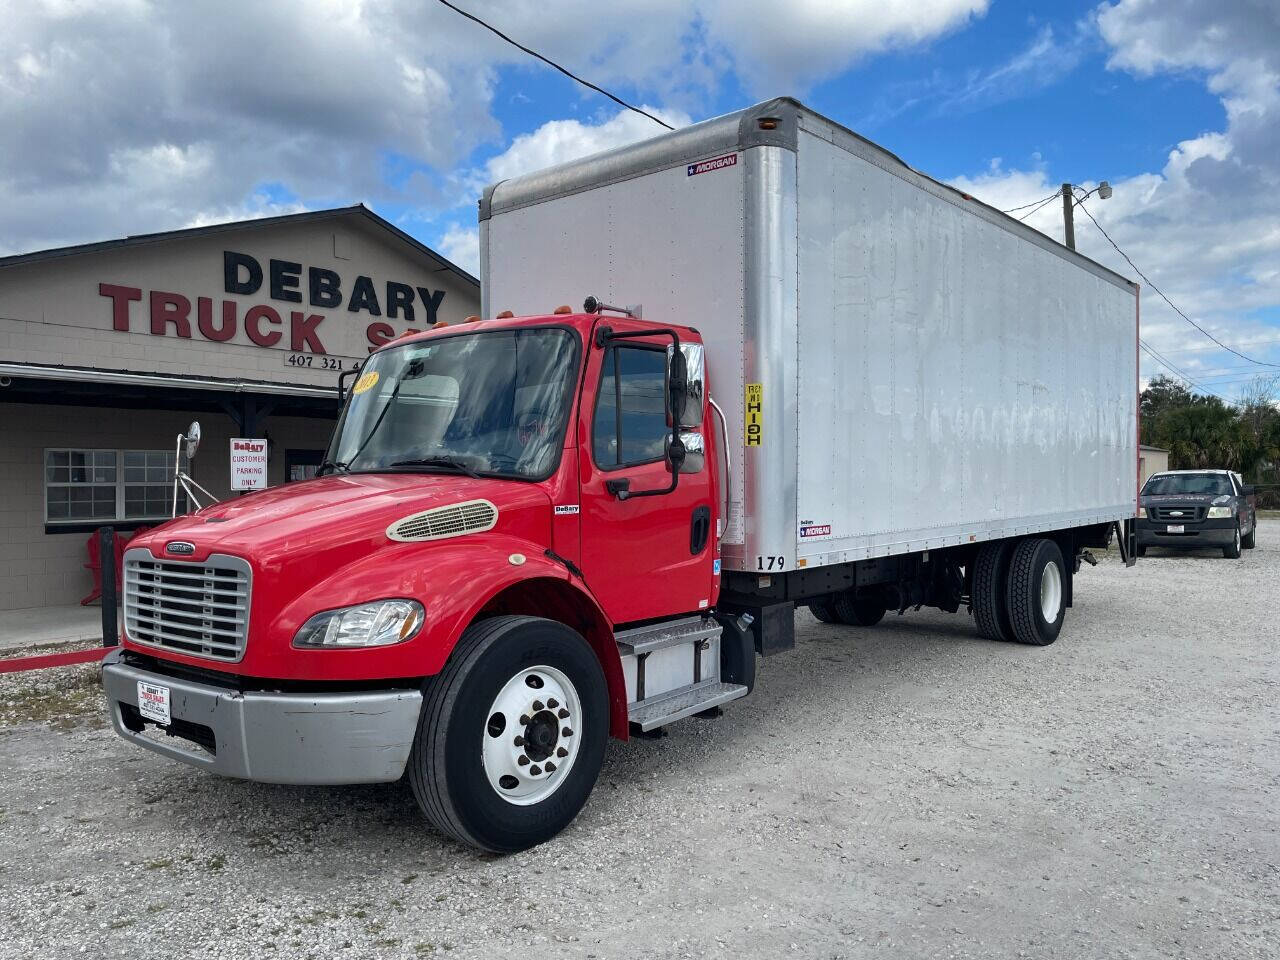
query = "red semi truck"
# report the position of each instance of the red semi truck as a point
(533, 533)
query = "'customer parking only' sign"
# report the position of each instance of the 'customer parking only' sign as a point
(248, 464)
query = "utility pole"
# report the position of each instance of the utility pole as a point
(1068, 214)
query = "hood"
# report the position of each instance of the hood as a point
(334, 519)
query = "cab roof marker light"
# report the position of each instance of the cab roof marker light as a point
(504, 315)
(562, 309)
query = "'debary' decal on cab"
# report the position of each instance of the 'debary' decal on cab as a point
(815, 530)
(719, 163)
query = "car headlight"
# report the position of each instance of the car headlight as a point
(1220, 513)
(377, 624)
(1142, 513)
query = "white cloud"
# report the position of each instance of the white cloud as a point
(122, 116)
(559, 141)
(461, 245)
(1206, 226)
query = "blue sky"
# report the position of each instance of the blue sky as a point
(121, 117)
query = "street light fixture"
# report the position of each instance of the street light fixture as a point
(1069, 201)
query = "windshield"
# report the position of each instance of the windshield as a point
(1172, 484)
(489, 402)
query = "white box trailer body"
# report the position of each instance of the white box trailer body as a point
(930, 372)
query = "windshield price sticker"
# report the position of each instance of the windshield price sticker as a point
(366, 382)
(754, 406)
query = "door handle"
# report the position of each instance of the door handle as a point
(620, 487)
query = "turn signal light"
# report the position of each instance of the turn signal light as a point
(563, 308)
(505, 315)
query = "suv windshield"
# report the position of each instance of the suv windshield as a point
(1175, 484)
(488, 402)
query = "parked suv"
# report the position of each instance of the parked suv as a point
(1197, 508)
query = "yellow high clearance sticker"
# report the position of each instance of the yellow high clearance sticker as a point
(754, 407)
(367, 381)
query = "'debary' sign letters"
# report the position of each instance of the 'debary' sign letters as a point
(171, 314)
(248, 464)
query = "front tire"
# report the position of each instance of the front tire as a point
(1250, 540)
(1037, 594)
(512, 734)
(1232, 550)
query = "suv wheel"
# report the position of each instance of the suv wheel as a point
(1232, 550)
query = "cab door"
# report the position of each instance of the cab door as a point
(643, 556)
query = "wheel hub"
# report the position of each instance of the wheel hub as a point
(529, 740)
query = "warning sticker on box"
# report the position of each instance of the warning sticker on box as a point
(753, 404)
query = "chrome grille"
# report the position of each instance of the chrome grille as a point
(200, 609)
(1192, 514)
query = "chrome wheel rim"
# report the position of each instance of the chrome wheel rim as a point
(1050, 592)
(531, 736)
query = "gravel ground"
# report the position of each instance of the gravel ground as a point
(903, 791)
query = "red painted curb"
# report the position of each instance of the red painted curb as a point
(18, 664)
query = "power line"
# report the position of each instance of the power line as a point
(1242, 356)
(1043, 203)
(1032, 203)
(552, 63)
(1181, 375)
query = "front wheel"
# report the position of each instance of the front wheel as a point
(1232, 550)
(1037, 594)
(512, 734)
(1250, 540)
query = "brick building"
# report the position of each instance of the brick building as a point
(108, 350)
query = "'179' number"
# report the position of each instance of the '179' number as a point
(770, 563)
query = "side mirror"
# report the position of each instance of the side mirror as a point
(675, 454)
(192, 439)
(677, 386)
(694, 383)
(695, 453)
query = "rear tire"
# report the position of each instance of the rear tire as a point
(1232, 550)
(853, 612)
(989, 590)
(1037, 595)
(822, 610)
(470, 721)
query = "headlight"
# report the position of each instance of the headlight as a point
(1142, 513)
(1221, 513)
(377, 624)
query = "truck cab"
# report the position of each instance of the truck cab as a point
(511, 553)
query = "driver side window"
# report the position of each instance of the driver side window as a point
(630, 425)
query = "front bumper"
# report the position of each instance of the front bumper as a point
(1207, 533)
(314, 738)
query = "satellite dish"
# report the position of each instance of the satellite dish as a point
(193, 438)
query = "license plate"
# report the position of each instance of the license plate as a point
(1177, 528)
(153, 702)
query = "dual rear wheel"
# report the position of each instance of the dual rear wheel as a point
(848, 609)
(1018, 591)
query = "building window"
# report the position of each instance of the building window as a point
(85, 486)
